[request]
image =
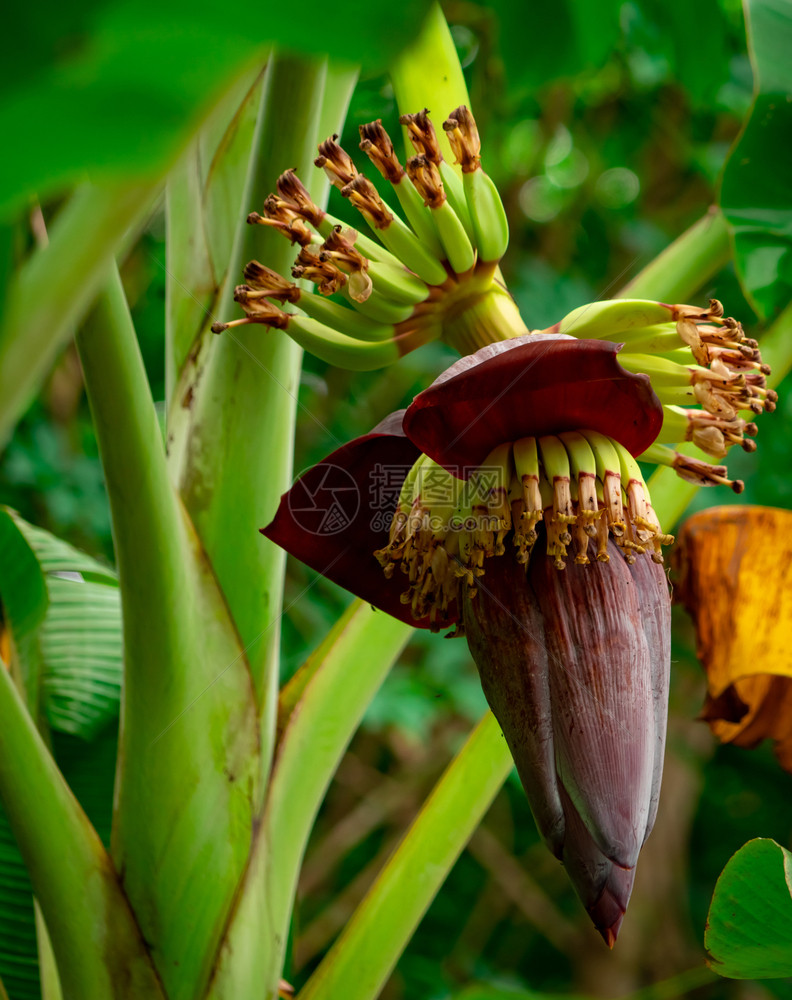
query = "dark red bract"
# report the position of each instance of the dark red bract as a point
(328, 529)
(532, 385)
(335, 516)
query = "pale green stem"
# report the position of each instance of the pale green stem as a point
(48, 969)
(188, 763)
(239, 452)
(56, 285)
(685, 266)
(147, 525)
(360, 961)
(428, 74)
(322, 708)
(100, 952)
(205, 206)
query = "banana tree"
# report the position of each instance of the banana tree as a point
(516, 510)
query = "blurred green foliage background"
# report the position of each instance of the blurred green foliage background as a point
(606, 126)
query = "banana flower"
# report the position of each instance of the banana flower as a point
(505, 502)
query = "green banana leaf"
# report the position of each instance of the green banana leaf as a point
(748, 932)
(79, 639)
(62, 610)
(147, 70)
(63, 614)
(18, 954)
(756, 197)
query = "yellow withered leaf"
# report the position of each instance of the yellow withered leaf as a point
(734, 577)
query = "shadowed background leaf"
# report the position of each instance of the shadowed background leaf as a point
(117, 90)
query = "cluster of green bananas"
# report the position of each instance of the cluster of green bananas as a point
(435, 275)
(704, 369)
(583, 486)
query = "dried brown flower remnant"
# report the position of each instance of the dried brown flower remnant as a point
(377, 145)
(336, 162)
(463, 134)
(422, 135)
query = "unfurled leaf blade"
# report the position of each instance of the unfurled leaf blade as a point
(71, 652)
(80, 637)
(124, 87)
(748, 934)
(24, 601)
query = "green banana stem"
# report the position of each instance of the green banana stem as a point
(392, 909)
(189, 767)
(346, 670)
(429, 73)
(73, 878)
(686, 265)
(227, 484)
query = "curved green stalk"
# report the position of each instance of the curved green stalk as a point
(188, 764)
(686, 265)
(359, 963)
(57, 284)
(205, 205)
(100, 951)
(48, 968)
(237, 453)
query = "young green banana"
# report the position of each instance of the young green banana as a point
(609, 320)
